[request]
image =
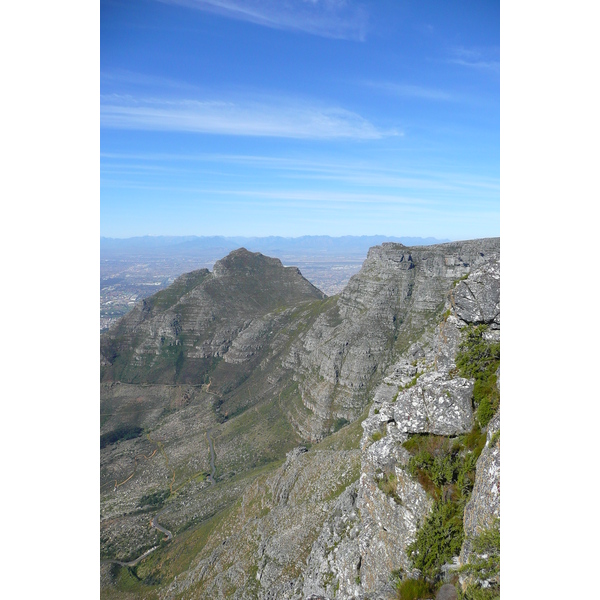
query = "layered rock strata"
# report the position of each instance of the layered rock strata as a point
(398, 292)
(324, 525)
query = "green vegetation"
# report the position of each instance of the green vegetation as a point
(347, 438)
(375, 437)
(413, 589)
(388, 484)
(495, 438)
(155, 499)
(484, 565)
(445, 467)
(457, 281)
(127, 432)
(339, 423)
(479, 359)
(438, 539)
(168, 297)
(410, 384)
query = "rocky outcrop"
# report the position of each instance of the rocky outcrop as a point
(366, 539)
(336, 518)
(484, 507)
(398, 293)
(260, 551)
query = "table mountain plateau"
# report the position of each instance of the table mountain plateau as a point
(299, 446)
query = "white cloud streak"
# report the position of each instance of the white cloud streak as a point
(337, 19)
(489, 65)
(277, 119)
(356, 173)
(474, 59)
(411, 91)
(305, 196)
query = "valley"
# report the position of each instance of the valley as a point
(261, 438)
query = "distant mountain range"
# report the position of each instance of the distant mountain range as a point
(272, 245)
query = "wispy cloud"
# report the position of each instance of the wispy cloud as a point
(268, 195)
(129, 79)
(474, 59)
(411, 91)
(267, 119)
(337, 19)
(374, 175)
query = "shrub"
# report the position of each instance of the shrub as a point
(479, 359)
(413, 589)
(484, 562)
(388, 484)
(445, 467)
(494, 439)
(154, 499)
(438, 540)
(476, 354)
(375, 437)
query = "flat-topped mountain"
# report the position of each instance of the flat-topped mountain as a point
(210, 386)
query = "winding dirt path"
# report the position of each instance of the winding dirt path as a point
(154, 522)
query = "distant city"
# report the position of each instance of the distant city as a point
(132, 269)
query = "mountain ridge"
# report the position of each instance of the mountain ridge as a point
(304, 373)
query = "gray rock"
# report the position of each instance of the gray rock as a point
(477, 300)
(398, 293)
(447, 592)
(435, 405)
(484, 506)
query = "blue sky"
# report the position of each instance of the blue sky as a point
(300, 117)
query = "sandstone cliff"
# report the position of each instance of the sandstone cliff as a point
(376, 365)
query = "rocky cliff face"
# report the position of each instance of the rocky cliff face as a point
(384, 518)
(336, 520)
(178, 333)
(383, 309)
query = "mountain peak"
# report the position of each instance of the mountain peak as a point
(242, 260)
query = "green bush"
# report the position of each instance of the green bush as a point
(388, 484)
(479, 359)
(494, 439)
(484, 564)
(375, 437)
(445, 467)
(474, 592)
(476, 354)
(438, 540)
(154, 499)
(413, 589)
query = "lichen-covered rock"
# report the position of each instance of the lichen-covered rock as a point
(436, 405)
(477, 300)
(484, 506)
